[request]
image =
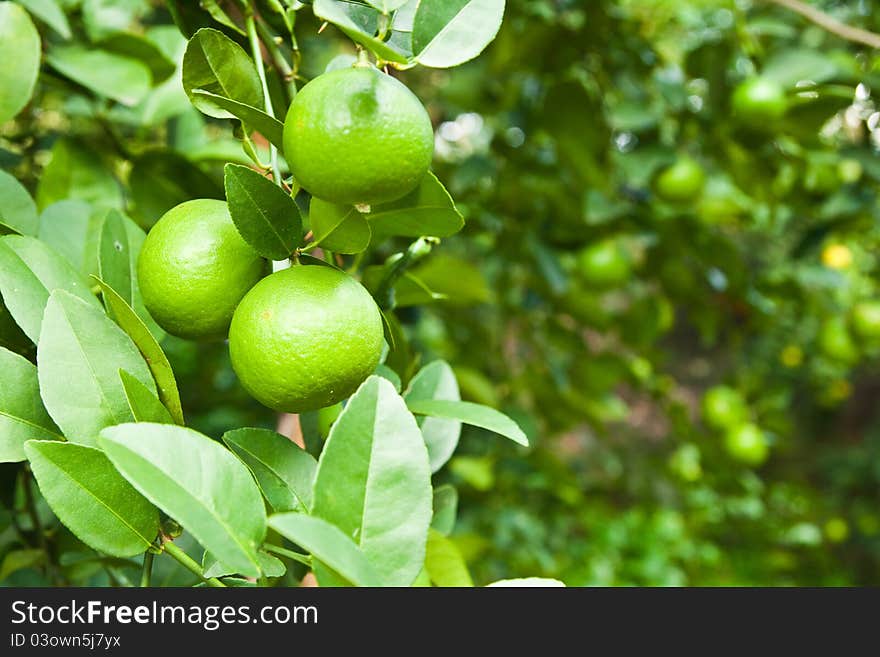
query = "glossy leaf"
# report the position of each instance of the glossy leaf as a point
(107, 74)
(73, 230)
(359, 23)
(18, 211)
(50, 13)
(450, 32)
(149, 348)
(445, 508)
(284, 471)
(79, 355)
(473, 414)
(444, 563)
(269, 565)
(196, 481)
(141, 49)
(436, 381)
(29, 271)
(374, 483)
(268, 126)
(426, 211)
(115, 263)
(20, 54)
(338, 228)
(327, 542)
(387, 6)
(22, 415)
(215, 63)
(92, 499)
(143, 402)
(264, 214)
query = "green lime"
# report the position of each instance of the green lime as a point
(724, 407)
(358, 136)
(305, 338)
(759, 101)
(194, 268)
(836, 342)
(866, 320)
(604, 264)
(748, 444)
(681, 182)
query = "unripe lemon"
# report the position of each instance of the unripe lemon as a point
(724, 407)
(194, 268)
(748, 444)
(681, 182)
(836, 342)
(358, 136)
(866, 320)
(305, 338)
(604, 264)
(759, 101)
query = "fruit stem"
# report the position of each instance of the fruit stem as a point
(147, 573)
(288, 72)
(416, 252)
(363, 59)
(257, 53)
(290, 554)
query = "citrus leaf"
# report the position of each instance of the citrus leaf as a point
(473, 414)
(447, 33)
(143, 402)
(269, 565)
(359, 23)
(22, 415)
(215, 63)
(79, 355)
(338, 228)
(107, 74)
(141, 49)
(50, 13)
(387, 6)
(29, 271)
(445, 508)
(268, 126)
(327, 543)
(77, 171)
(18, 211)
(436, 381)
(374, 483)
(91, 498)
(284, 471)
(20, 54)
(114, 258)
(73, 230)
(444, 563)
(426, 211)
(265, 215)
(794, 65)
(149, 348)
(197, 482)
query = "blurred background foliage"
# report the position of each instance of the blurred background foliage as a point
(591, 296)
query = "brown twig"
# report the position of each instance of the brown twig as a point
(823, 20)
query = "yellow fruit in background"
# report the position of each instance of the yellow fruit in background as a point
(837, 256)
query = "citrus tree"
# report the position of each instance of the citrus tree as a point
(210, 180)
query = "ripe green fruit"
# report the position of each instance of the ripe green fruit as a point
(748, 444)
(866, 320)
(724, 407)
(358, 136)
(604, 264)
(836, 342)
(305, 338)
(194, 268)
(681, 182)
(759, 101)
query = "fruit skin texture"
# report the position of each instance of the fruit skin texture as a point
(758, 101)
(305, 338)
(683, 181)
(747, 443)
(194, 268)
(724, 407)
(358, 136)
(866, 320)
(604, 264)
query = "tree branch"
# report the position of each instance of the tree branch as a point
(823, 20)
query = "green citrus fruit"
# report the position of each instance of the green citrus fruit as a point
(759, 101)
(724, 407)
(194, 268)
(604, 264)
(748, 444)
(305, 338)
(358, 136)
(681, 182)
(836, 342)
(866, 320)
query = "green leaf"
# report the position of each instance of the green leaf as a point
(79, 355)
(436, 381)
(447, 33)
(374, 482)
(73, 230)
(360, 24)
(284, 471)
(115, 263)
(143, 402)
(265, 215)
(426, 211)
(387, 6)
(327, 543)
(196, 481)
(445, 508)
(29, 271)
(268, 126)
(22, 415)
(50, 13)
(788, 67)
(338, 228)
(215, 63)
(456, 280)
(107, 74)
(16, 560)
(473, 414)
(269, 565)
(20, 54)
(92, 500)
(18, 211)
(444, 563)
(528, 582)
(141, 49)
(149, 348)
(410, 290)
(77, 172)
